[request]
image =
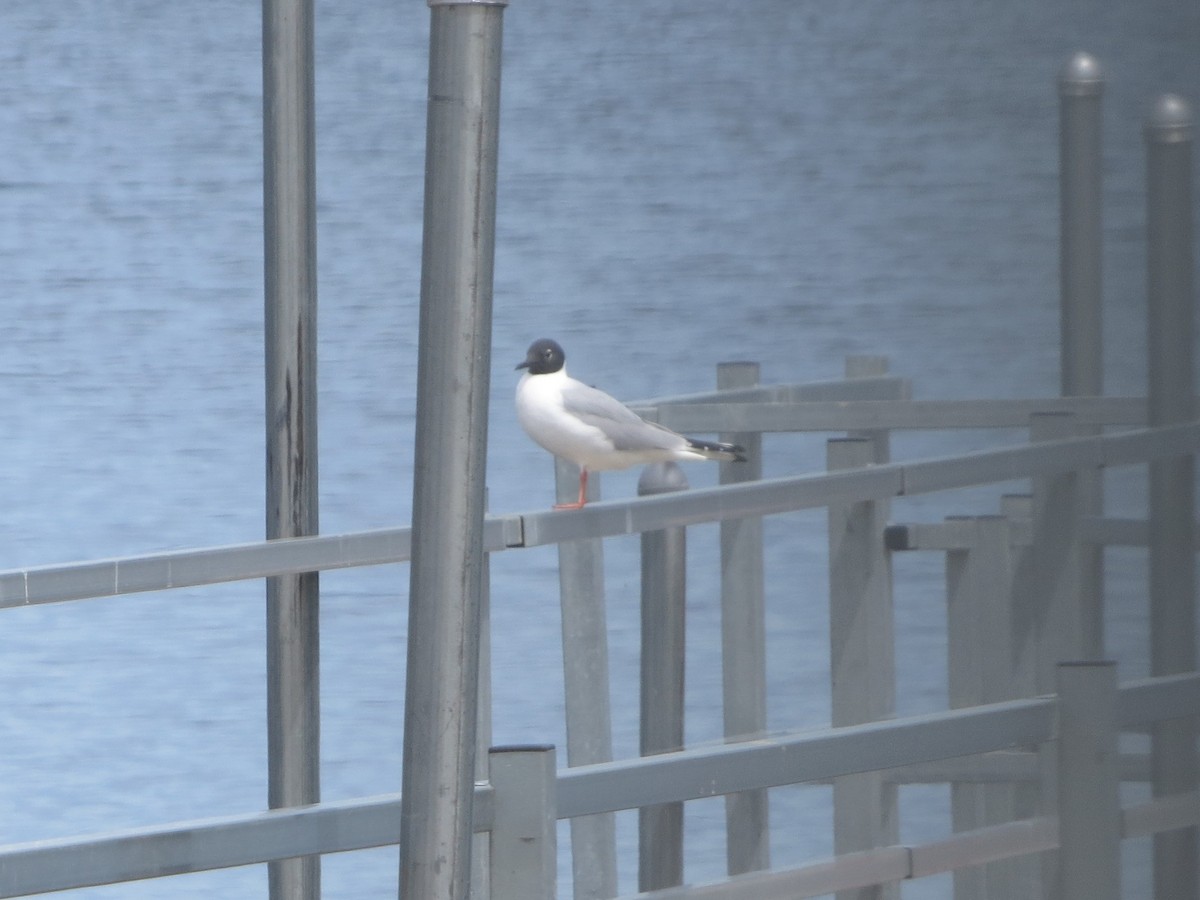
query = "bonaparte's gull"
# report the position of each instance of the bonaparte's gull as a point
(591, 429)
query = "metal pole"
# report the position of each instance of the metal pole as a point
(1081, 168)
(1089, 810)
(979, 590)
(586, 683)
(664, 599)
(448, 495)
(743, 640)
(862, 658)
(290, 253)
(481, 853)
(1172, 485)
(1051, 606)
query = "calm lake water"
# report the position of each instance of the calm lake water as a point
(681, 183)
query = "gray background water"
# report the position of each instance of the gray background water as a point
(680, 183)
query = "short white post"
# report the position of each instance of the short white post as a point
(524, 843)
(1089, 811)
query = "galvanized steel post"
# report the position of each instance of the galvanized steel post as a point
(290, 253)
(1171, 331)
(585, 678)
(743, 640)
(862, 658)
(980, 640)
(451, 428)
(1052, 606)
(1081, 168)
(1089, 810)
(664, 600)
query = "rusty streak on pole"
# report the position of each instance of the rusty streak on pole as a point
(289, 218)
(451, 428)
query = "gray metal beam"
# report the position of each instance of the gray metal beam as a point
(524, 863)
(773, 761)
(588, 705)
(290, 253)
(876, 414)
(441, 697)
(664, 640)
(1089, 809)
(743, 638)
(1171, 382)
(1081, 169)
(213, 565)
(862, 654)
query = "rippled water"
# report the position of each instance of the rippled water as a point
(680, 183)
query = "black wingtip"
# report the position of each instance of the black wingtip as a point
(738, 453)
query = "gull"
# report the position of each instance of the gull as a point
(591, 429)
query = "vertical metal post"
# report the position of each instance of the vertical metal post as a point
(481, 841)
(290, 283)
(585, 677)
(1081, 168)
(664, 599)
(1089, 811)
(869, 366)
(524, 848)
(1023, 874)
(1063, 629)
(448, 495)
(1052, 606)
(862, 657)
(743, 640)
(1171, 333)
(979, 590)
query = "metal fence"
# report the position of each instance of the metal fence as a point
(524, 793)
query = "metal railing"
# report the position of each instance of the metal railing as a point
(597, 789)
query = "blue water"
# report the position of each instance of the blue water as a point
(680, 183)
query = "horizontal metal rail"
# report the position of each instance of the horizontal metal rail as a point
(213, 565)
(842, 389)
(815, 756)
(804, 757)
(775, 416)
(899, 863)
(202, 845)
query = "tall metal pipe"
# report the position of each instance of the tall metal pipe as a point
(289, 206)
(1170, 331)
(586, 684)
(664, 628)
(451, 427)
(744, 640)
(1081, 169)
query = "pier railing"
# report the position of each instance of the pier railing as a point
(1029, 748)
(884, 751)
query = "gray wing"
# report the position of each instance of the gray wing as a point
(620, 424)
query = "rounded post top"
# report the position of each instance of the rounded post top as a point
(1081, 76)
(1170, 120)
(662, 478)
